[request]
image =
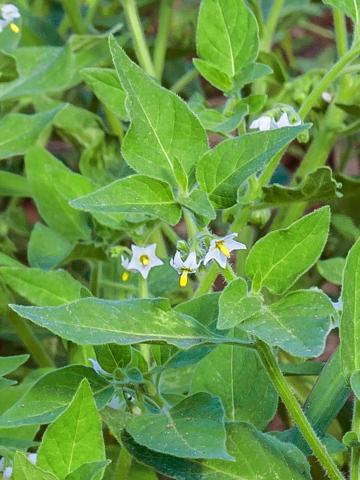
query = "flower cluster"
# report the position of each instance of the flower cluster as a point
(144, 258)
(277, 118)
(9, 13)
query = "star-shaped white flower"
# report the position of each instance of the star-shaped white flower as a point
(284, 121)
(144, 259)
(10, 12)
(263, 123)
(184, 267)
(221, 248)
(326, 96)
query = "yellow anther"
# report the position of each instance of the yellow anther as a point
(125, 276)
(223, 248)
(184, 278)
(144, 259)
(14, 27)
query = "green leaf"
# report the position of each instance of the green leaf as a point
(236, 305)
(74, 438)
(18, 132)
(41, 70)
(198, 202)
(222, 170)
(355, 383)
(25, 470)
(13, 185)
(240, 380)
(213, 75)
(122, 322)
(7, 261)
(317, 186)
(273, 459)
(105, 84)
(47, 248)
(43, 288)
(50, 178)
(350, 321)
(9, 364)
(133, 194)
(227, 35)
(162, 125)
(88, 471)
(51, 394)
(112, 357)
(252, 72)
(298, 323)
(217, 122)
(350, 7)
(194, 428)
(277, 260)
(332, 269)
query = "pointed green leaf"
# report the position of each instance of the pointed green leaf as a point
(236, 305)
(9, 364)
(25, 470)
(332, 269)
(194, 428)
(213, 75)
(162, 125)
(133, 194)
(240, 380)
(227, 35)
(18, 132)
(93, 321)
(51, 179)
(13, 185)
(350, 7)
(198, 202)
(298, 323)
(277, 260)
(257, 456)
(350, 320)
(222, 170)
(74, 438)
(51, 394)
(88, 471)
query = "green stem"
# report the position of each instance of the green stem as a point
(115, 124)
(92, 11)
(327, 79)
(162, 36)
(184, 80)
(170, 233)
(207, 280)
(95, 278)
(144, 293)
(341, 32)
(31, 342)
(271, 24)
(138, 37)
(228, 273)
(355, 452)
(190, 224)
(123, 465)
(73, 12)
(296, 412)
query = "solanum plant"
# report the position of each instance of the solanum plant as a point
(179, 240)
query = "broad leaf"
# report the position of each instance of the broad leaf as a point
(51, 394)
(227, 36)
(43, 288)
(238, 377)
(9, 364)
(194, 428)
(13, 185)
(198, 202)
(133, 194)
(332, 269)
(25, 470)
(51, 179)
(236, 305)
(222, 170)
(350, 320)
(105, 84)
(93, 321)
(350, 7)
(18, 132)
(317, 186)
(273, 459)
(277, 260)
(112, 357)
(47, 248)
(163, 128)
(88, 471)
(74, 438)
(298, 323)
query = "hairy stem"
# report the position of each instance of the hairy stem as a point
(73, 12)
(355, 451)
(162, 37)
(271, 24)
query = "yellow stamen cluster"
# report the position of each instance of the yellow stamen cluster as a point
(14, 27)
(144, 259)
(223, 248)
(183, 281)
(125, 276)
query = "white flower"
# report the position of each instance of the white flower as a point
(220, 249)
(32, 457)
(184, 267)
(144, 259)
(285, 122)
(10, 12)
(115, 403)
(97, 367)
(7, 473)
(263, 123)
(125, 264)
(326, 96)
(3, 24)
